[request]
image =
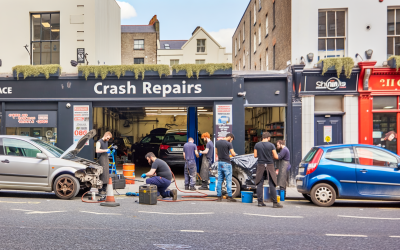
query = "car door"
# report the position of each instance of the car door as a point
(19, 165)
(377, 172)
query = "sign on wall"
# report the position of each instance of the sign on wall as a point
(331, 83)
(384, 82)
(327, 133)
(30, 119)
(81, 122)
(80, 55)
(223, 120)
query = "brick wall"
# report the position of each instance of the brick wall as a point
(150, 48)
(280, 36)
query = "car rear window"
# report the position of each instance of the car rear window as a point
(178, 137)
(310, 155)
(345, 155)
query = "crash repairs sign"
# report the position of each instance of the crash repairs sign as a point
(81, 121)
(29, 119)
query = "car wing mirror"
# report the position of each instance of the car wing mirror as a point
(41, 156)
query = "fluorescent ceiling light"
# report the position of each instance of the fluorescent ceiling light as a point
(36, 16)
(55, 30)
(388, 107)
(164, 110)
(200, 107)
(46, 24)
(203, 110)
(157, 108)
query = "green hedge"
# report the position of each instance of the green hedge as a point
(196, 68)
(35, 70)
(338, 63)
(397, 59)
(119, 70)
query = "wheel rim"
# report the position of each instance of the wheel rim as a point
(234, 187)
(65, 186)
(323, 195)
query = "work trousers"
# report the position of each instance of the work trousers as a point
(272, 187)
(161, 183)
(224, 171)
(104, 177)
(190, 173)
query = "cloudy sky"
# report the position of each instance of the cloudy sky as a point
(179, 18)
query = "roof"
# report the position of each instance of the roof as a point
(197, 30)
(173, 44)
(138, 29)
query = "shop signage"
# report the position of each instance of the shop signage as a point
(384, 82)
(29, 119)
(223, 120)
(331, 83)
(80, 55)
(6, 90)
(81, 122)
(327, 133)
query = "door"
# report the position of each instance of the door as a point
(19, 165)
(377, 172)
(328, 130)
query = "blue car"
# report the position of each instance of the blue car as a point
(349, 172)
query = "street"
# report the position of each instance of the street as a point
(33, 220)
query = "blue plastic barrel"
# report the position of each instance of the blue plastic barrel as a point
(212, 183)
(282, 195)
(247, 197)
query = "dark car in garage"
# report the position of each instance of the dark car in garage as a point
(150, 143)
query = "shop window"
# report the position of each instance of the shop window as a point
(384, 132)
(385, 102)
(345, 155)
(331, 34)
(328, 103)
(375, 157)
(138, 61)
(174, 62)
(200, 61)
(201, 45)
(393, 32)
(45, 40)
(17, 147)
(138, 44)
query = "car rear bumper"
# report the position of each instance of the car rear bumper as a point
(301, 184)
(172, 162)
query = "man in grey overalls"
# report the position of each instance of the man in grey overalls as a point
(102, 157)
(189, 152)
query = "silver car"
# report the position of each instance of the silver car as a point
(27, 163)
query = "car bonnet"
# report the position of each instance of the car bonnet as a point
(75, 148)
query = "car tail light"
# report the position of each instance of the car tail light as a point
(164, 147)
(200, 147)
(313, 164)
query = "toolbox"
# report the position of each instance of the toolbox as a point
(148, 194)
(118, 181)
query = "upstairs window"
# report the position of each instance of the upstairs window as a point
(259, 34)
(201, 45)
(266, 60)
(244, 58)
(393, 32)
(244, 36)
(255, 12)
(273, 13)
(259, 4)
(331, 34)
(240, 35)
(138, 44)
(138, 61)
(255, 42)
(201, 61)
(166, 46)
(236, 47)
(174, 62)
(266, 25)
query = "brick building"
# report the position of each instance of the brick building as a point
(139, 43)
(262, 40)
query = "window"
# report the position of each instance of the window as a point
(49, 147)
(19, 148)
(273, 14)
(259, 34)
(239, 64)
(384, 132)
(244, 34)
(255, 42)
(255, 12)
(345, 155)
(174, 62)
(393, 32)
(166, 46)
(201, 61)
(310, 155)
(138, 44)
(384, 102)
(259, 4)
(266, 25)
(244, 58)
(266, 60)
(138, 61)
(240, 35)
(236, 47)
(331, 34)
(375, 157)
(45, 41)
(152, 139)
(273, 57)
(260, 64)
(201, 45)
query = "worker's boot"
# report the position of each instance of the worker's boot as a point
(186, 187)
(219, 199)
(261, 204)
(192, 188)
(230, 199)
(160, 197)
(277, 205)
(174, 194)
(204, 186)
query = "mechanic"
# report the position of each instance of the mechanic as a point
(189, 151)
(161, 176)
(222, 148)
(266, 153)
(283, 165)
(102, 151)
(208, 157)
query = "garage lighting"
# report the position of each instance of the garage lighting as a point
(46, 25)
(388, 107)
(55, 30)
(36, 16)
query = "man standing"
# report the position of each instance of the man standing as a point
(266, 153)
(208, 157)
(102, 157)
(284, 164)
(223, 147)
(189, 151)
(160, 175)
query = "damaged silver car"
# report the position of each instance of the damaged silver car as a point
(27, 163)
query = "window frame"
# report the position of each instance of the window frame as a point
(134, 40)
(15, 139)
(205, 46)
(395, 35)
(266, 25)
(203, 60)
(259, 34)
(355, 159)
(358, 159)
(170, 62)
(326, 37)
(266, 60)
(255, 12)
(138, 58)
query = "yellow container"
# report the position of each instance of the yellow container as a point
(278, 199)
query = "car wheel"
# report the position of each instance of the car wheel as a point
(235, 188)
(323, 195)
(307, 197)
(66, 187)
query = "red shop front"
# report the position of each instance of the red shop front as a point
(379, 111)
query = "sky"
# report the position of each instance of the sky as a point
(179, 18)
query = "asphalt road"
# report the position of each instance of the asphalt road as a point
(41, 221)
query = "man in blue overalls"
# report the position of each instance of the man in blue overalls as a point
(189, 151)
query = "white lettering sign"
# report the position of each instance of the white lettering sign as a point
(6, 90)
(332, 83)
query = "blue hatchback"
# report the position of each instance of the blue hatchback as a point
(349, 172)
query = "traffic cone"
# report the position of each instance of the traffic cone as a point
(110, 200)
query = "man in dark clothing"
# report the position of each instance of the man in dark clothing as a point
(283, 164)
(161, 176)
(266, 153)
(102, 157)
(223, 148)
(190, 171)
(208, 157)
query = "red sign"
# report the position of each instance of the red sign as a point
(384, 82)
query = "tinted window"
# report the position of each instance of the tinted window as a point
(1, 147)
(340, 154)
(179, 137)
(19, 148)
(52, 149)
(153, 139)
(310, 155)
(375, 157)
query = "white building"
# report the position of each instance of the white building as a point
(54, 30)
(200, 48)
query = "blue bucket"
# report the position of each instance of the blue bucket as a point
(266, 193)
(212, 183)
(247, 197)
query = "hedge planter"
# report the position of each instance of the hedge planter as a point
(41, 75)
(133, 70)
(340, 64)
(392, 62)
(191, 70)
(203, 72)
(38, 71)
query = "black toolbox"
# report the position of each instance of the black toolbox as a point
(148, 194)
(118, 181)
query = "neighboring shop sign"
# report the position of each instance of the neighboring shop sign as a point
(80, 55)
(223, 120)
(384, 82)
(29, 119)
(327, 133)
(81, 121)
(330, 83)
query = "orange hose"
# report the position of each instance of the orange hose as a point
(89, 201)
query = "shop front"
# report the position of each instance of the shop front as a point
(379, 106)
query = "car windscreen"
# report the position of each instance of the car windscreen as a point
(57, 152)
(310, 155)
(178, 137)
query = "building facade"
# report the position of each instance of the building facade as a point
(199, 49)
(50, 32)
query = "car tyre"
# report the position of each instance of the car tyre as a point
(323, 195)
(236, 183)
(307, 197)
(66, 186)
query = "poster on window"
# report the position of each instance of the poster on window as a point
(81, 121)
(223, 120)
(327, 133)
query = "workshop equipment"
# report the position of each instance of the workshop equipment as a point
(132, 194)
(110, 200)
(118, 181)
(112, 164)
(212, 183)
(148, 194)
(129, 172)
(247, 197)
